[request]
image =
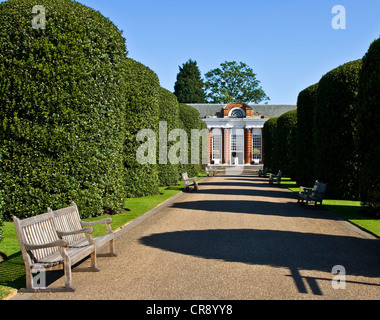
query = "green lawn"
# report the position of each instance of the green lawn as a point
(348, 210)
(12, 270)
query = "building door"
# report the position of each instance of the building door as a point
(237, 147)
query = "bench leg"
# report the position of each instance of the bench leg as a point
(29, 280)
(67, 271)
(30, 288)
(112, 248)
(94, 266)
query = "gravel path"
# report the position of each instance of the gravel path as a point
(236, 238)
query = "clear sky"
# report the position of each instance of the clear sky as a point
(289, 44)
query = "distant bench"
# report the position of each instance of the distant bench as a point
(56, 240)
(275, 178)
(211, 171)
(189, 182)
(315, 194)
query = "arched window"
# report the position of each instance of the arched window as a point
(237, 113)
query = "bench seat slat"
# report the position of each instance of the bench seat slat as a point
(76, 252)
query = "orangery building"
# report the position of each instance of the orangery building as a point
(236, 130)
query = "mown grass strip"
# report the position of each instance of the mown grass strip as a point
(346, 209)
(12, 270)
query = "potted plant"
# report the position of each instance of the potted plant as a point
(256, 152)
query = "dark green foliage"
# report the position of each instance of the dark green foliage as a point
(368, 128)
(61, 109)
(334, 127)
(1, 196)
(305, 145)
(169, 113)
(189, 85)
(233, 82)
(142, 112)
(286, 131)
(269, 144)
(190, 119)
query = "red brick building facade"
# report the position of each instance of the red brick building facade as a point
(235, 131)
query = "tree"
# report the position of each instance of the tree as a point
(233, 82)
(189, 85)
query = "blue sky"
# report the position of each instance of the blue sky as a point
(289, 44)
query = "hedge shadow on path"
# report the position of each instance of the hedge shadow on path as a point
(294, 250)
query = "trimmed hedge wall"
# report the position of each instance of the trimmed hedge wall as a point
(368, 129)
(1, 198)
(169, 112)
(61, 107)
(269, 144)
(142, 112)
(190, 119)
(334, 127)
(305, 144)
(286, 131)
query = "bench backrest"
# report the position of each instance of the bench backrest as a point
(186, 180)
(68, 219)
(319, 190)
(322, 189)
(36, 230)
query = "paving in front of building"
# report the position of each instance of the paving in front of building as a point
(236, 238)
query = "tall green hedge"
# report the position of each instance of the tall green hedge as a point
(1, 195)
(305, 144)
(334, 127)
(286, 131)
(269, 144)
(191, 119)
(142, 112)
(169, 114)
(61, 108)
(368, 129)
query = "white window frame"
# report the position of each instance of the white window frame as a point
(217, 144)
(257, 143)
(237, 108)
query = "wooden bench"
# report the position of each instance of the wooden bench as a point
(275, 178)
(211, 171)
(42, 250)
(315, 194)
(56, 240)
(263, 173)
(189, 182)
(68, 220)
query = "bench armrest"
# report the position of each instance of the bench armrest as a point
(68, 233)
(58, 243)
(193, 178)
(305, 190)
(108, 221)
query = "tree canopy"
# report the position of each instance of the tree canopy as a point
(189, 85)
(233, 82)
